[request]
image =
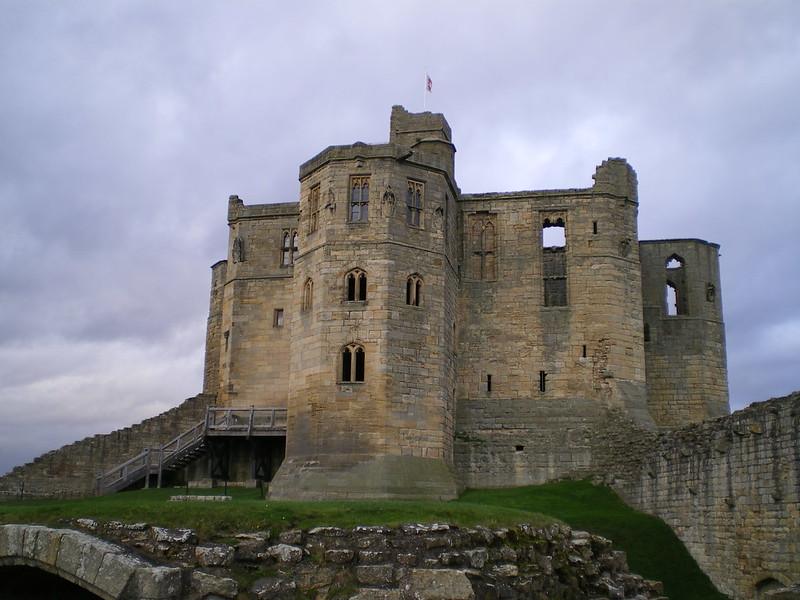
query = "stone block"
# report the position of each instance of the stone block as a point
(203, 585)
(11, 537)
(382, 575)
(376, 594)
(269, 588)
(436, 584)
(214, 555)
(116, 574)
(285, 553)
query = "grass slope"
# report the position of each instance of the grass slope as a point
(248, 512)
(653, 549)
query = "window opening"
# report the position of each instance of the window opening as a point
(308, 296)
(313, 207)
(227, 336)
(674, 262)
(583, 352)
(519, 448)
(359, 364)
(483, 248)
(711, 292)
(359, 199)
(356, 281)
(289, 248)
(414, 194)
(413, 290)
(353, 364)
(286, 250)
(488, 383)
(672, 299)
(554, 262)
(594, 227)
(542, 381)
(277, 318)
(347, 359)
(647, 332)
(675, 290)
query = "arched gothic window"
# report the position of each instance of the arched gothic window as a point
(359, 199)
(352, 363)
(289, 248)
(414, 290)
(482, 258)
(356, 286)
(313, 208)
(414, 203)
(554, 261)
(308, 296)
(675, 289)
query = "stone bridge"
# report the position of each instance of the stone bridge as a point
(104, 569)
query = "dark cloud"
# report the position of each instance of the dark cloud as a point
(126, 125)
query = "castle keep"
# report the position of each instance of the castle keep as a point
(389, 336)
(421, 338)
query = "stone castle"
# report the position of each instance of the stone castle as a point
(388, 336)
(397, 319)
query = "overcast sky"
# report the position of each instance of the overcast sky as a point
(126, 125)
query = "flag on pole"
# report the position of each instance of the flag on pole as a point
(428, 83)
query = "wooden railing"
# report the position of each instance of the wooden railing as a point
(245, 421)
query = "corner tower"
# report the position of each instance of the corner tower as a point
(371, 373)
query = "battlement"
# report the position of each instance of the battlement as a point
(408, 128)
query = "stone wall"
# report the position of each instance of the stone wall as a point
(730, 489)
(72, 469)
(589, 347)
(435, 561)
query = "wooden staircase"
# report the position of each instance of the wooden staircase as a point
(192, 444)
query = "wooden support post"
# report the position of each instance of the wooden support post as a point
(160, 465)
(146, 468)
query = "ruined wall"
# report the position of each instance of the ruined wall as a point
(411, 561)
(730, 489)
(687, 379)
(71, 470)
(510, 329)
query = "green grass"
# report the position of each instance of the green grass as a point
(248, 512)
(653, 550)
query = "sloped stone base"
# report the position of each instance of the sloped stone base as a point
(349, 477)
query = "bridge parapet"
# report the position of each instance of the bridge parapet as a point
(107, 570)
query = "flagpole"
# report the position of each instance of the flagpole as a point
(425, 93)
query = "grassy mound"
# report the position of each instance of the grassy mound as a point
(653, 549)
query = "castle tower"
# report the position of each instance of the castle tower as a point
(371, 370)
(684, 331)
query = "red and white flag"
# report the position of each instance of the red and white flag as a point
(428, 83)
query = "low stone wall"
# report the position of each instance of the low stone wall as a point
(730, 489)
(413, 561)
(71, 470)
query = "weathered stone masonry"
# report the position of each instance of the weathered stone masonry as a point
(730, 488)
